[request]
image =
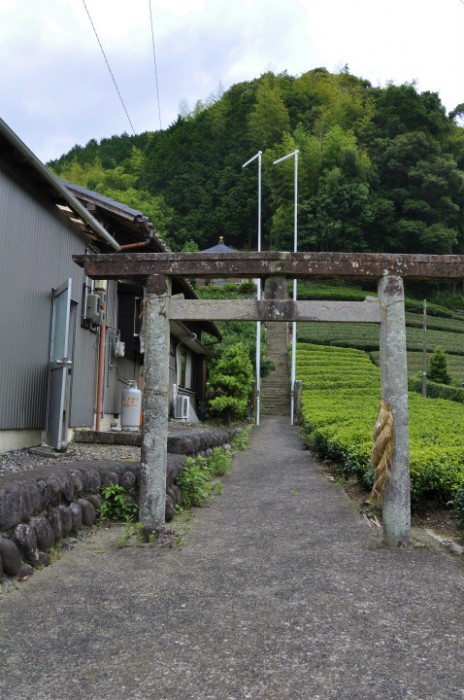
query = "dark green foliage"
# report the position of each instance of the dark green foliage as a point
(195, 482)
(117, 505)
(230, 383)
(438, 391)
(437, 370)
(195, 479)
(219, 463)
(240, 440)
(380, 169)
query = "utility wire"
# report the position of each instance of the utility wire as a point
(108, 65)
(154, 61)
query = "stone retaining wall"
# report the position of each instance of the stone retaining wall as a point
(40, 508)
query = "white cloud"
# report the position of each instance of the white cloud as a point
(57, 91)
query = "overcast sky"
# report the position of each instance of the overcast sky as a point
(56, 90)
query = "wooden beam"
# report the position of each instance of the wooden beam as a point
(263, 265)
(367, 311)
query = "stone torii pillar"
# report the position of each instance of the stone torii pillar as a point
(155, 405)
(394, 382)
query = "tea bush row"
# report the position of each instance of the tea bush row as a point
(339, 420)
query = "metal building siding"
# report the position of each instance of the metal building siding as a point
(84, 376)
(36, 248)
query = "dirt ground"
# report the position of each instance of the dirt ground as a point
(436, 518)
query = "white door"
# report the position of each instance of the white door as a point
(59, 369)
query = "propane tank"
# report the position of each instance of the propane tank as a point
(131, 405)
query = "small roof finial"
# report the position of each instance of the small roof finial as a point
(221, 239)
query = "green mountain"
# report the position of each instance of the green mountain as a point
(380, 169)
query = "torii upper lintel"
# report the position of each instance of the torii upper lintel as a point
(262, 265)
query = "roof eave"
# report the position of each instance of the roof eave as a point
(56, 185)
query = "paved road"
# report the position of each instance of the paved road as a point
(279, 591)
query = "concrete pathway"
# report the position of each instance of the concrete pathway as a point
(279, 591)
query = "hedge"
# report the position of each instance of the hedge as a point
(339, 420)
(438, 391)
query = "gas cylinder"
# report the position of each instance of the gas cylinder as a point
(131, 406)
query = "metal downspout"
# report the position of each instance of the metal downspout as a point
(101, 365)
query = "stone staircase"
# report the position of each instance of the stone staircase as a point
(275, 388)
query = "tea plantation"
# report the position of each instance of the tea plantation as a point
(340, 401)
(445, 328)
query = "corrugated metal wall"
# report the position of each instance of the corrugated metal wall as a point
(36, 248)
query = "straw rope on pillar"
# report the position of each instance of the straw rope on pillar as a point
(382, 450)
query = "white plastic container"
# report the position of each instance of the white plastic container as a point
(131, 407)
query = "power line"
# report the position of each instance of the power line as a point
(154, 61)
(108, 65)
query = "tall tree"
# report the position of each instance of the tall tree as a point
(269, 120)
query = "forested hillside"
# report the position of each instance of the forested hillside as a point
(380, 169)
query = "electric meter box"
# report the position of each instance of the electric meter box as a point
(94, 312)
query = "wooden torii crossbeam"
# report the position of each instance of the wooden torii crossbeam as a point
(155, 271)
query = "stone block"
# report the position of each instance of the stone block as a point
(109, 478)
(92, 479)
(43, 532)
(25, 538)
(54, 520)
(44, 559)
(10, 555)
(77, 479)
(11, 509)
(128, 479)
(66, 519)
(88, 511)
(76, 515)
(96, 500)
(45, 491)
(169, 513)
(25, 571)
(31, 499)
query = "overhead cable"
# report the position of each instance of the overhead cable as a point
(154, 61)
(108, 65)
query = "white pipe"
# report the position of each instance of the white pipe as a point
(295, 250)
(258, 291)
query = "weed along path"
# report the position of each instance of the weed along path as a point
(278, 590)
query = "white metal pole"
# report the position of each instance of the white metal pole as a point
(258, 291)
(295, 250)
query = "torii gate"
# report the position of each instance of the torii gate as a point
(156, 270)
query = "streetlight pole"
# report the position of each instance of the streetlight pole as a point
(295, 250)
(258, 289)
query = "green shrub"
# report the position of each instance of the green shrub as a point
(437, 369)
(195, 479)
(195, 482)
(438, 391)
(116, 504)
(219, 463)
(240, 439)
(230, 384)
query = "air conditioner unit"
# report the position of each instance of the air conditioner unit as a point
(182, 407)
